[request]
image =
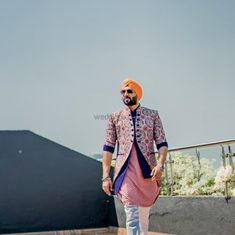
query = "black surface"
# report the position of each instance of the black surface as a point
(113, 210)
(45, 186)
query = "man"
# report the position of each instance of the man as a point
(137, 174)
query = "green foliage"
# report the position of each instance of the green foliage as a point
(190, 177)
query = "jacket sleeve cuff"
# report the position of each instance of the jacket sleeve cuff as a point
(108, 148)
(161, 145)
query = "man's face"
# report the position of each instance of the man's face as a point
(129, 97)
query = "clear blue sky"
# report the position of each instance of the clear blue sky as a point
(62, 62)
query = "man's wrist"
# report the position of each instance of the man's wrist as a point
(161, 166)
(106, 178)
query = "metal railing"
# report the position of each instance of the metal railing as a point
(226, 156)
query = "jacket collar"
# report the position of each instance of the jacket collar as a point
(138, 109)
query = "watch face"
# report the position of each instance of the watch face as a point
(162, 167)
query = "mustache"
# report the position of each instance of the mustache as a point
(129, 101)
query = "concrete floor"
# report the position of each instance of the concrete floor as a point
(95, 231)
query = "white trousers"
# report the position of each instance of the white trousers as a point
(137, 219)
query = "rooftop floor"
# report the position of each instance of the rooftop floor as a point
(95, 231)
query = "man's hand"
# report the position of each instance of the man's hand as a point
(107, 186)
(156, 173)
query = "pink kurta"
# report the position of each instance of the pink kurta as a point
(135, 190)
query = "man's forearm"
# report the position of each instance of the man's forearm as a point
(106, 163)
(162, 154)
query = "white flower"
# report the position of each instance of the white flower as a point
(190, 179)
(224, 174)
(233, 192)
(228, 172)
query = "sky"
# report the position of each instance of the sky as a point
(62, 63)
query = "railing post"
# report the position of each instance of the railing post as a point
(171, 175)
(199, 165)
(223, 155)
(230, 156)
(166, 178)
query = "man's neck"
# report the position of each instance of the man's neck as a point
(133, 107)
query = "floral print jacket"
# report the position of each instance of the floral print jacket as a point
(148, 130)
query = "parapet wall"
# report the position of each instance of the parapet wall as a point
(183, 215)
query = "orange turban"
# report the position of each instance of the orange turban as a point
(136, 87)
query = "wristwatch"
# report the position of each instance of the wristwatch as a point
(161, 167)
(106, 178)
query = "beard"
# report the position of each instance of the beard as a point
(130, 101)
